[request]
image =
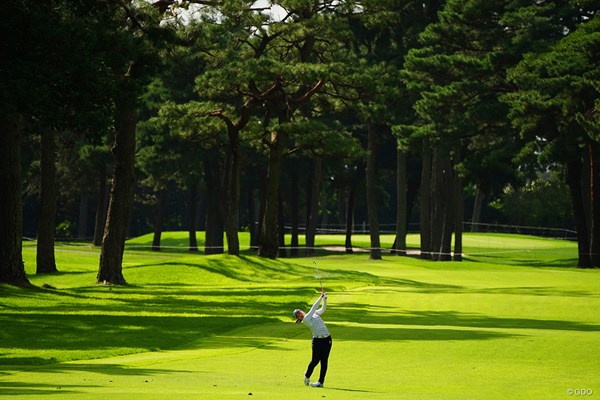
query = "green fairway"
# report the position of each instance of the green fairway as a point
(515, 320)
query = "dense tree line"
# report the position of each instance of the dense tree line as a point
(273, 113)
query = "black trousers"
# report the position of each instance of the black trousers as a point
(320, 354)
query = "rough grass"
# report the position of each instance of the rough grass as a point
(514, 320)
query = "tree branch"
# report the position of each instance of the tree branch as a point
(309, 93)
(132, 17)
(221, 114)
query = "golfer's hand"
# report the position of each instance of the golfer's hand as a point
(323, 294)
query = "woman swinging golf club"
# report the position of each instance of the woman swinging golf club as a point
(321, 341)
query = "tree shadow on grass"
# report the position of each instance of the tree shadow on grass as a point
(109, 370)
(137, 319)
(391, 334)
(534, 261)
(366, 315)
(158, 298)
(36, 389)
(264, 271)
(403, 285)
(136, 332)
(133, 319)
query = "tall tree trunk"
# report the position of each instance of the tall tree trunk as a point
(295, 213)
(449, 208)
(459, 211)
(308, 185)
(214, 221)
(45, 261)
(350, 217)
(100, 219)
(252, 223)
(121, 194)
(594, 156)
(324, 209)
(193, 210)
(425, 217)
(232, 195)
(436, 188)
(201, 211)
(413, 187)
(573, 180)
(340, 204)
(268, 237)
(401, 205)
(160, 218)
(262, 204)
(476, 218)
(284, 109)
(313, 211)
(371, 174)
(12, 269)
(281, 228)
(443, 207)
(586, 187)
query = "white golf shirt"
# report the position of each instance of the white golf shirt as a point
(313, 320)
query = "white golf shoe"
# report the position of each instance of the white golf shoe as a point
(316, 384)
(306, 381)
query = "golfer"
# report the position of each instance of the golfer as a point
(321, 341)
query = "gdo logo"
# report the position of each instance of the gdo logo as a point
(580, 392)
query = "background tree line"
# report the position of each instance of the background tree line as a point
(259, 115)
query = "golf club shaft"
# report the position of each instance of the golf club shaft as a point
(318, 274)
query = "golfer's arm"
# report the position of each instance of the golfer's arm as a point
(313, 308)
(322, 309)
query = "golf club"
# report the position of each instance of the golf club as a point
(318, 274)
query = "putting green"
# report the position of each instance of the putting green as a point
(402, 328)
